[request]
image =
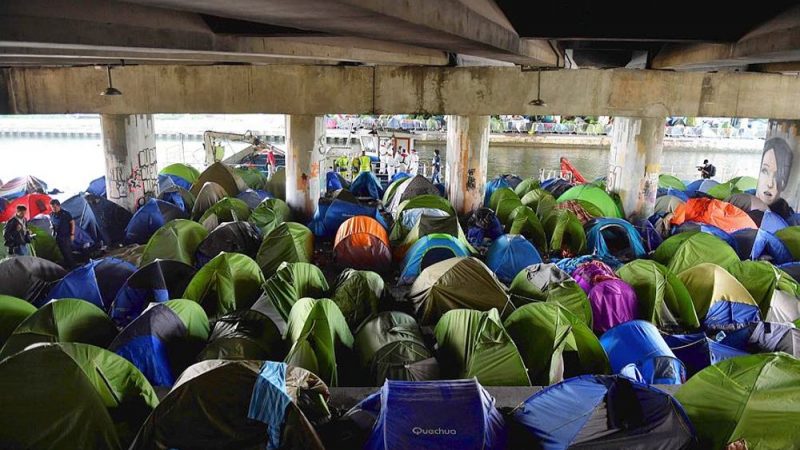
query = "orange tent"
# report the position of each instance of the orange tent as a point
(722, 215)
(362, 243)
(36, 204)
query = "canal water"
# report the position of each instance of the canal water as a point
(70, 163)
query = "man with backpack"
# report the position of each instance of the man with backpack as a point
(707, 170)
(16, 236)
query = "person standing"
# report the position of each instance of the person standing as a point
(63, 231)
(365, 162)
(707, 170)
(16, 236)
(413, 162)
(437, 167)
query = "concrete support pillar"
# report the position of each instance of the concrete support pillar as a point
(635, 163)
(466, 161)
(304, 134)
(129, 142)
(779, 172)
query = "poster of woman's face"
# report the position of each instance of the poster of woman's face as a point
(776, 164)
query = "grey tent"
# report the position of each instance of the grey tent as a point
(244, 334)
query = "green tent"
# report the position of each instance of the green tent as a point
(269, 214)
(427, 201)
(565, 233)
(667, 204)
(193, 316)
(208, 196)
(426, 226)
(548, 283)
(457, 283)
(186, 196)
(224, 176)
(293, 281)
(690, 248)
(184, 171)
(391, 346)
(253, 178)
(227, 210)
(670, 181)
(735, 185)
(501, 194)
(178, 239)
(130, 253)
(474, 344)
(540, 201)
(228, 282)
(65, 320)
(775, 291)
(43, 245)
(78, 396)
(244, 334)
(12, 312)
(358, 295)
(554, 343)
(316, 328)
(526, 186)
(277, 183)
(755, 398)
(390, 190)
(524, 221)
(594, 195)
(505, 207)
(709, 283)
(790, 236)
(432, 206)
(288, 242)
(662, 296)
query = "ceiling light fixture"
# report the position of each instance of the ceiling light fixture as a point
(110, 90)
(538, 101)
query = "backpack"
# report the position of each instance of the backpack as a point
(712, 171)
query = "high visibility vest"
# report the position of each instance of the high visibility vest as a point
(366, 163)
(342, 163)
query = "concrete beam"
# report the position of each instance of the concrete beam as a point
(777, 40)
(389, 90)
(95, 29)
(451, 25)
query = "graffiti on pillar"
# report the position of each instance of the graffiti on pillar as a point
(471, 179)
(614, 174)
(648, 190)
(138, 183)
(773, 174)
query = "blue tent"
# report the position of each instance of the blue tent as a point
(97, 282)
(650, 237)
(331, 214)
(670, 191)
(696, 351)
(638, 345)
(366, 184)
(103, 220)
(509, 254)
(761, 244)
(97, 187)
(497, 183)
(169, 179)
(700, 187)
(149, 218)
(398, 176)
(730, 316)
(253, 197)
(615, 233)
(429, 250)
(333, 182)
(556, 186)
(705, 228)
(772, 222)
(159, 281)
(606, 412)
(446, 415)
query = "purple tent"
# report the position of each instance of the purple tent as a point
(591, 273)
(613, 302)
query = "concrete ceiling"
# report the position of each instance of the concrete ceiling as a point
(703, 36)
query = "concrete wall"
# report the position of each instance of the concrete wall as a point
(466, 161)
(389, 90)
(130, 150)
(303, 176)
(635, 163)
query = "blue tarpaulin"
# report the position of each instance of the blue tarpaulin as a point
(269, 400)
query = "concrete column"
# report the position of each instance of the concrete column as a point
(466, 161)
(635, 163)
(130, 149)
(304, 134)
(779, 172)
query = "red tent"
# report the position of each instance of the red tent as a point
(36, 204)
(568, 168)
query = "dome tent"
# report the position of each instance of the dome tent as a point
(565, 233)
(244, 334)
(224, 176)
(427, 225)
(269, 214)
(358, 294)
(362, 243)
(548, 283)
(602, 412)
(163, 341)
(774, 290)
(697, 351)
(713, 212)
(28, 277)
(231, 237)
(761, 244)
(616, 238)
(670, 181)
(103, 220)
(454, 283)
(177, 240)
(13, 311)
(540, 201)
(287, 242)
(226, 210)
(366, 184)
(291, 282)
(427, 251)
(79, 396)
(65, 320)
(149, 218)
(667, 204)
(228, 282)
(686, 250)
(525, 222)
(390, 346)
(710, 284)
(662, 297)
(613, 302)
(408, 189)
(637, 345)
(210, 193)
(509, 254)
(474, 344)
(198, 414)
(188, 175)
(554, 343)
(595, 196)
(179, 197)
(97, 282)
